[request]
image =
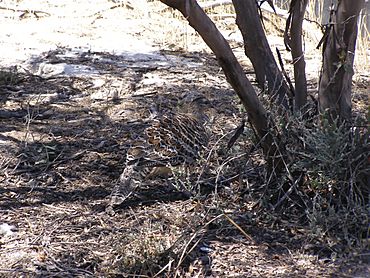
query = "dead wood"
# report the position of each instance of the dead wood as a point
(214, 4)
(26, 12)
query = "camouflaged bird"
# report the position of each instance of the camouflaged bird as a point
(172, 139)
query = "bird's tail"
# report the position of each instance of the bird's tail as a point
(123, 189)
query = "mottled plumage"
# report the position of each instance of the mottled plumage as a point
(172, 139)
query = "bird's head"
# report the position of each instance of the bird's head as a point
(197, 105)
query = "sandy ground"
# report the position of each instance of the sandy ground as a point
(89, 72)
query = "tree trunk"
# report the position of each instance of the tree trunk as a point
(293, 41)
(323, 10)
(338, 54)
(258, 50)
(233, 71)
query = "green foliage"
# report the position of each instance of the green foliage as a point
(326, 173)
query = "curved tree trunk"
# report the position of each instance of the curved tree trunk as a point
(234, 73)
(338, 54)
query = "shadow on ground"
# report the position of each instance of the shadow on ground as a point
(63, 141)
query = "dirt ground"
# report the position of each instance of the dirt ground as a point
(81, 77)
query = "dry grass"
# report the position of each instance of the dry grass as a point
(62, 151)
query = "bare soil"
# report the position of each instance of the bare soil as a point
(79, 78)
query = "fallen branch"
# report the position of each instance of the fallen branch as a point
(126, 6)
(267, 8)
(214, 4)
(26, 11)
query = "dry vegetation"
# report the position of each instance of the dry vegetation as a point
(63, 139)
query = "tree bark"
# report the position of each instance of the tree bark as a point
(293, 41)
(258, 51)
(233, 71)
(338, 55)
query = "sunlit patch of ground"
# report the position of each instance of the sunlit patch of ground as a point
(87, 74)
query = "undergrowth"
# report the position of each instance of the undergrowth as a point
(326, 177)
